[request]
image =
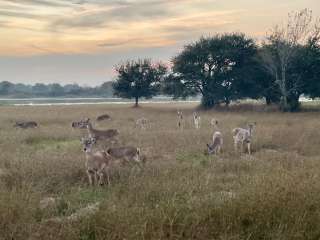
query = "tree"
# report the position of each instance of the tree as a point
(6, 88)
(56, 90)
(311, 67)
(138, 79)
(284, 46)
(218, 68)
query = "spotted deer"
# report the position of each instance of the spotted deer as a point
(243, 136)
(217, 140)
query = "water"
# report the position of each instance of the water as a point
(82, 101)
(88, 101)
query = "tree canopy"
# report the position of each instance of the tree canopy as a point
(219, 68)
(140, 78)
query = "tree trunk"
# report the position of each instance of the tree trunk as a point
(283, 89)
(293, 103)
(227, 101)
(268, 100)
(207, 101)
(136, 102)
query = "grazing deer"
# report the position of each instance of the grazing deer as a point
(109, 134)
(243, 136)
(103, 117)
(196, 120)
(130, 155)
(214, 122)
(180, 119)
(82, 124)
(216, 145)
(142, 123)
(25, 125)
(97, 163)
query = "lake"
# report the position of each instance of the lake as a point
(83, 101)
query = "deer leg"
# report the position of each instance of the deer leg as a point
(235, 146)
(100, 174)
(95, 178)
(249, 148)
(89, 177)
(108, 176)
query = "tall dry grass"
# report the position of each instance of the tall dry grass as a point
(181, 194)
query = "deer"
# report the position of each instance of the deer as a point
(180, 119)
(25, 125)
(128, 155)
(82, 124)
(103, 117)
(97, 163)
(196, 120)
(217, 140)
(243, 136)
(109, 134)
(214, 122)
(142, 123)
(124, 155)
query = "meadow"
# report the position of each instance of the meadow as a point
(180, 194)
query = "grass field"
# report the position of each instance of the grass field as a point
(181, 193)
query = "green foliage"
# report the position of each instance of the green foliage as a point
(219, 68)
(138, 79)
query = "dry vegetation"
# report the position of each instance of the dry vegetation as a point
(181, 194)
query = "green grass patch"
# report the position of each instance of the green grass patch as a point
(195, 158)
(51, 143)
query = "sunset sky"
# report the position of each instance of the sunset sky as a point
(79, 41)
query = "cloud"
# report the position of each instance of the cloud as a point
(112, 12)
(47, 3)
(19, 14)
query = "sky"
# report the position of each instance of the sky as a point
(80, 41)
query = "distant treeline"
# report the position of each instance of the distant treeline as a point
(19, 90)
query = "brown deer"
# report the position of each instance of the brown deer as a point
(82, 124)
(103, 117)
(109, 134)
(97, 163)
(25, 125)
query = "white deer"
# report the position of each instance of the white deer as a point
(196, 120)
(243, 136)
(180, 119)
(214, 122)
(142, 123)
(217, 139)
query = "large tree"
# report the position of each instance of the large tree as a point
(138, 79)
(286, 49)
(219, 68)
